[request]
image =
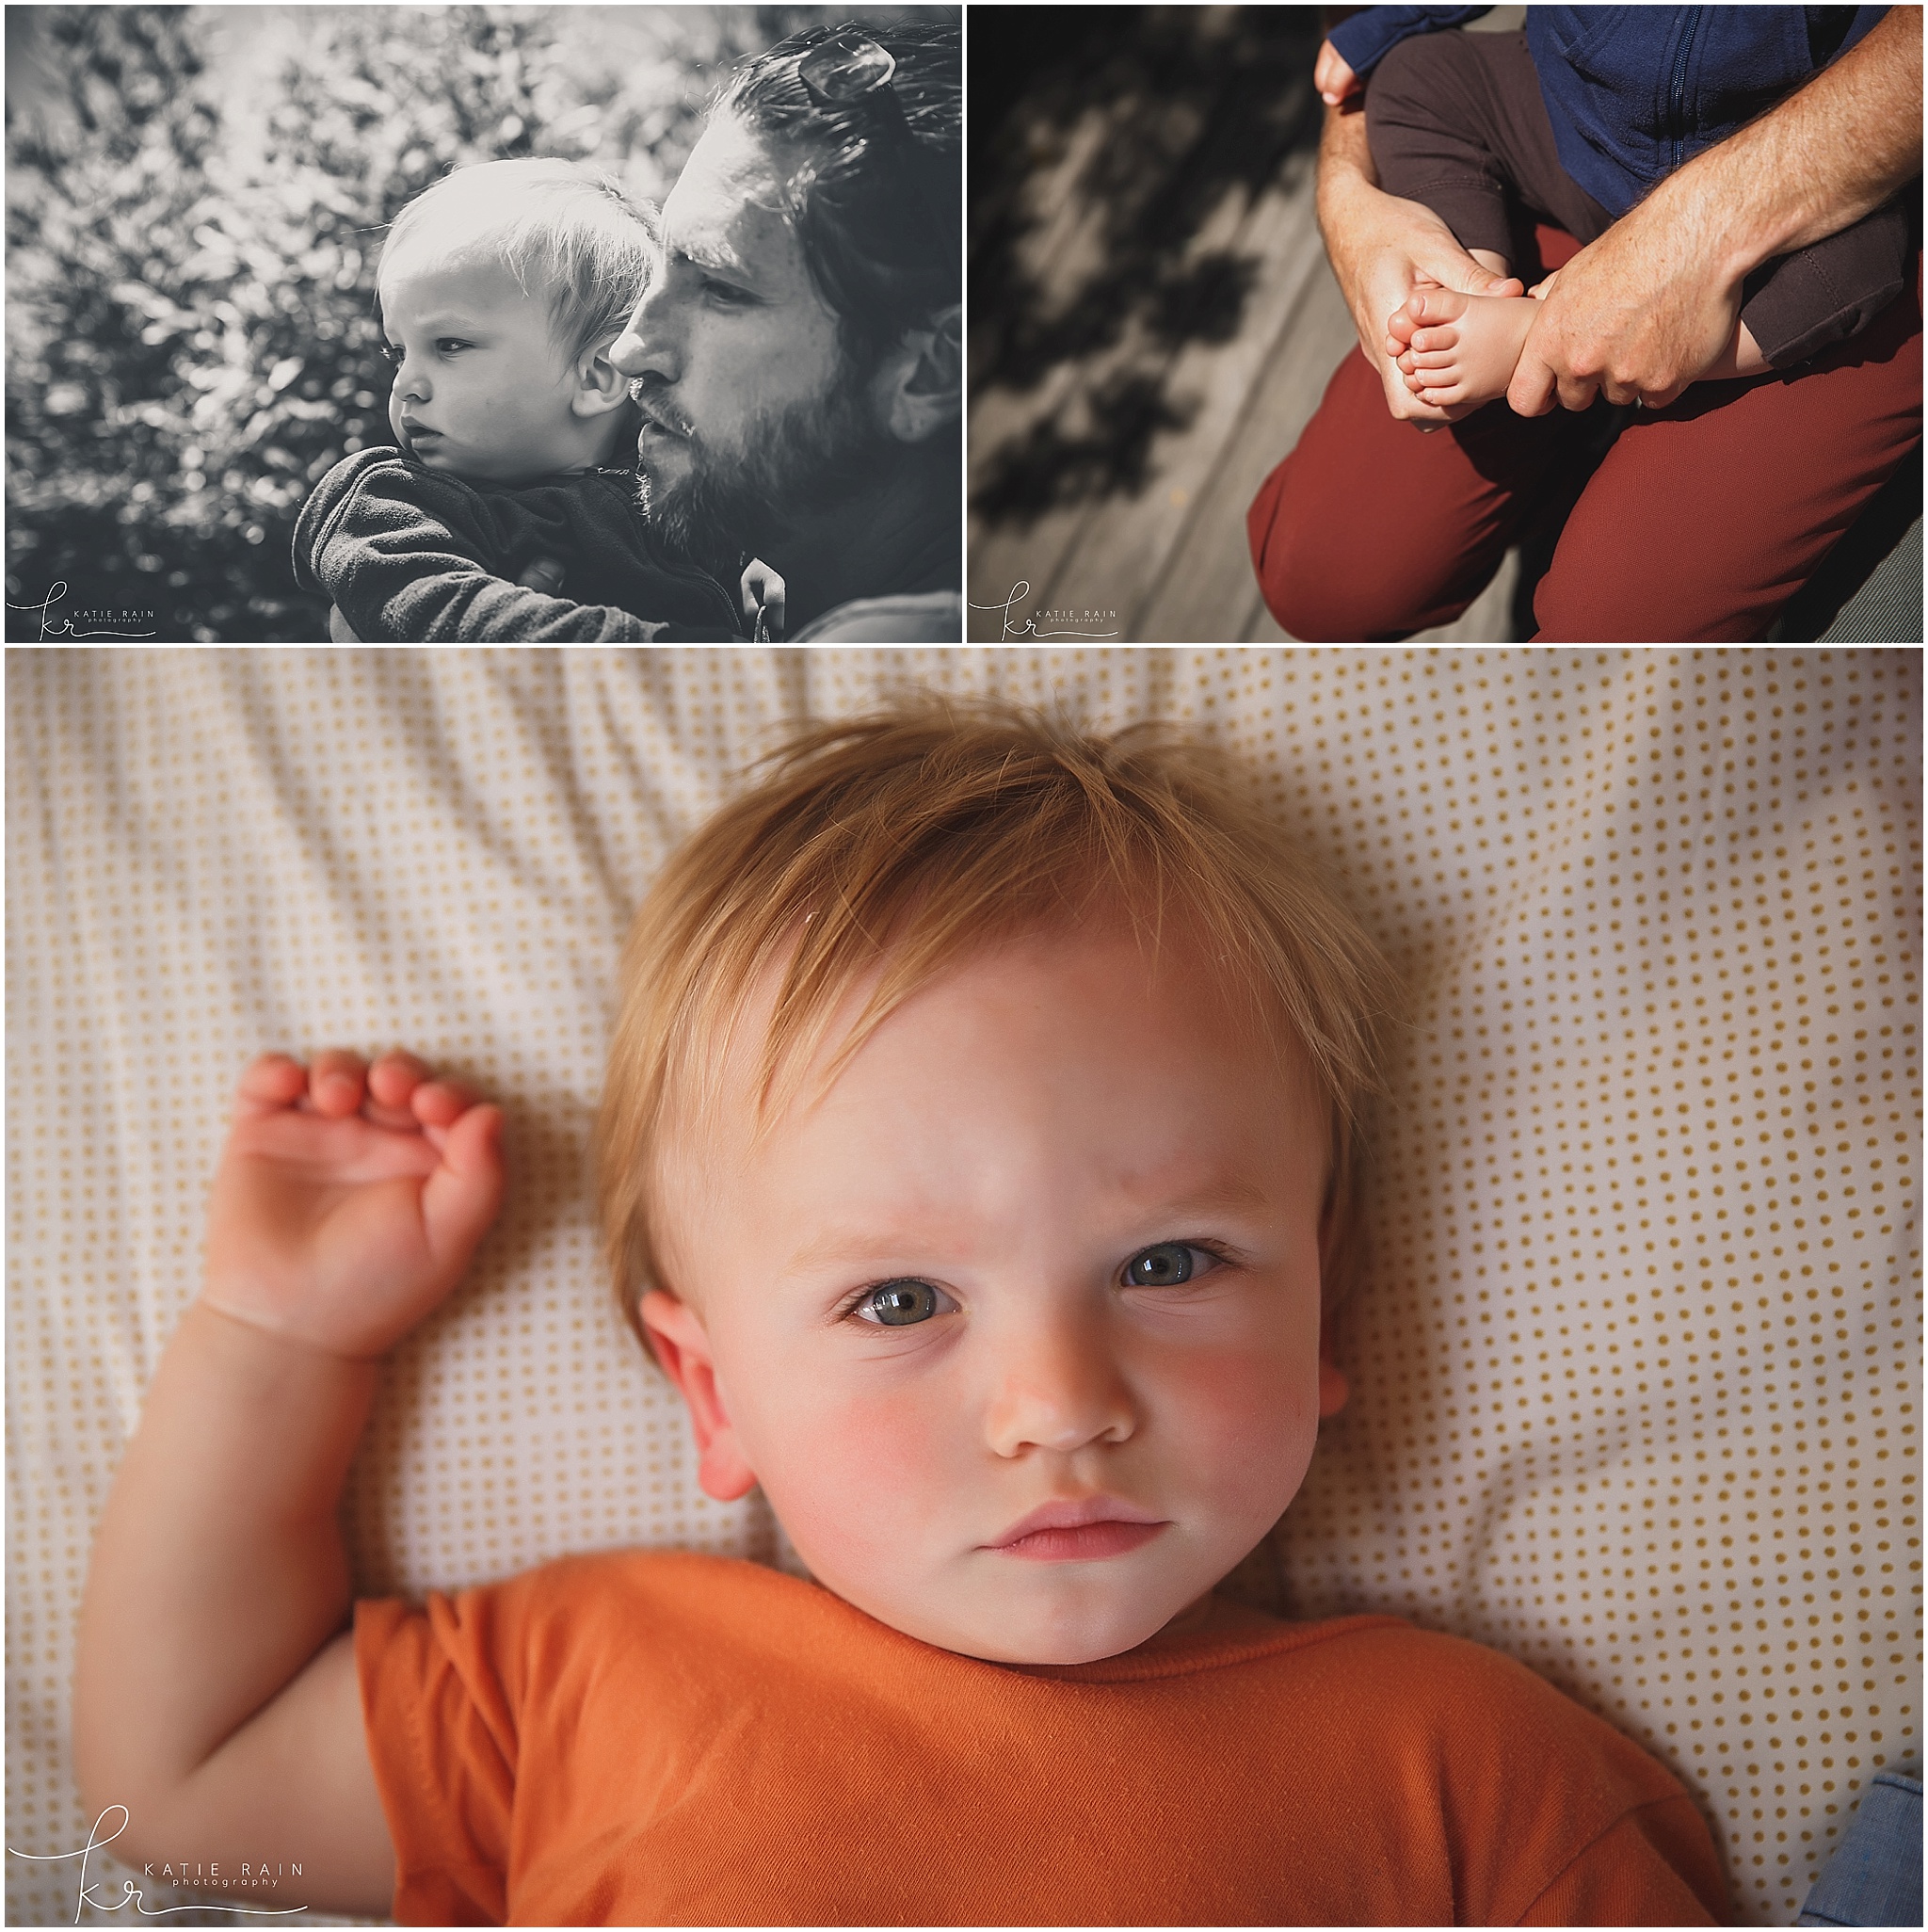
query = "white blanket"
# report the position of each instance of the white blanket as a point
(1634, 1368)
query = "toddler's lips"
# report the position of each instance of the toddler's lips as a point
(1090, 1544)
(1079, 1531)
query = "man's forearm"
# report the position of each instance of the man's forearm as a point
(219, 1570)
(1812, 166)
(1345, 165)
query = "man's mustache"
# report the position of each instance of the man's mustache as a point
(646, 393)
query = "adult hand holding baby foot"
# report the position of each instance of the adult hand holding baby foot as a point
(1383, 247)
(1455, 351)
(348, 1198)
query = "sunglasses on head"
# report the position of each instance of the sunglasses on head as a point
(845, 69)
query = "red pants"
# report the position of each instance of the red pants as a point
(1703, 520)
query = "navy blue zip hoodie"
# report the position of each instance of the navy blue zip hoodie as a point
(1633, 92)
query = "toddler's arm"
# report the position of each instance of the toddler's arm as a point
(408, 556)
(214, 1687)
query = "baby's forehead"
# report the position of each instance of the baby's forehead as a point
(1037, 982)
(1127, 1086)
(454, 278)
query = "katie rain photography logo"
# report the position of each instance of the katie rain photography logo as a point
(258, 1879)
(1018, 617)
(57, 617)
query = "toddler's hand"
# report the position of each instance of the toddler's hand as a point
(348, 1198)
(1334, 79)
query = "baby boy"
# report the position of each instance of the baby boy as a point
(502, 290)
(978, 1159)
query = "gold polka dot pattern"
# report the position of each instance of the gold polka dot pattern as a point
(1634, 1364)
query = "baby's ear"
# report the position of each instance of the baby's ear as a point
(683, 1346)
(600, 386)
(918, 387)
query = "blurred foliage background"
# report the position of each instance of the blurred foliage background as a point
(195, 202)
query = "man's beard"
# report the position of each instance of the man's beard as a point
(809, 458)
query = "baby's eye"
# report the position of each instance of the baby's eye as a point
(448, 345)
(1167, 1264)
(898, 1304)
(388, 352)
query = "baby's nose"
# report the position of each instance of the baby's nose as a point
(1059, 1390)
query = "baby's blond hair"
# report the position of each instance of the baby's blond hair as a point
(900, 844)
(564, 231)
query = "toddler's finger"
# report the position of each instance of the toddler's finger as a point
(460, 1197)
(335, 1081)
(270, 1082)
(396, 1076)
(440, 1103)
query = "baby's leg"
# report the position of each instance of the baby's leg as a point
(1457, 352)
(1456, 121)
(1429, 125)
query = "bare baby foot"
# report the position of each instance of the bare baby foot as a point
(1457, 352)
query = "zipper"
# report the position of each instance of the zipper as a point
(1677, 106)
(674, 566)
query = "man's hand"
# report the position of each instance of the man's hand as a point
(1635, 317)
(1652, 305)
(348, 1198)
(1382, 248)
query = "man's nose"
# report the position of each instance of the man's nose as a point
(1058, 1386)
(648, 344)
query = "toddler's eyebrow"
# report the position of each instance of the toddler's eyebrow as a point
(447, 321)
(1177, 1214)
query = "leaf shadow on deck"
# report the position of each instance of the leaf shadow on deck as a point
(1185, 105)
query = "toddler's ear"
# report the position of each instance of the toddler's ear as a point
(1333, 1387)
(682, 1347)
(600, 386)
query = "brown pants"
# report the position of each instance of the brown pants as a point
(1456, 120)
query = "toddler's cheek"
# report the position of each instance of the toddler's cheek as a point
(1248, 1424)
(861, 1482)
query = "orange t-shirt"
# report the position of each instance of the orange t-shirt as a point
(657, 1739)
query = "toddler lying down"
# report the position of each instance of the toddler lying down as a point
(978, 1159)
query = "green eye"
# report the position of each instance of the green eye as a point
(897, 1304)
(1163, 1266)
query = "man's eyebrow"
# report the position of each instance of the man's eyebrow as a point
(715, 258)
